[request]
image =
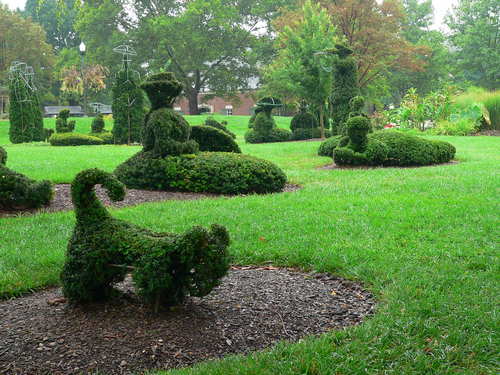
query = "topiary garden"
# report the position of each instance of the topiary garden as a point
(170, 159)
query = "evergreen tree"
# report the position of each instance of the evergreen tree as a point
(128, 108)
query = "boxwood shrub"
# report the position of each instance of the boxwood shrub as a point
(107, 137)
(214, 172)
(327, 146)
(213, 139)
(218, 125)
(74, 139)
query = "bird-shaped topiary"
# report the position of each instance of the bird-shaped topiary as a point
(165, 267)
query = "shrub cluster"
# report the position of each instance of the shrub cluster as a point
(107, 137)
(98, 124)
(62, 123)
(20, 192)
(214, 172)
(327, 146)
(166, 267)
(213, 139)
(74, 139)
(47, 133)
(265, 130)
(221, 126)
(304, 125)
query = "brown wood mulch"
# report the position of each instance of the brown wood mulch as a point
(252, 309)
(335, 166)
(62, 199)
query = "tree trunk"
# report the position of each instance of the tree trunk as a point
(322, 122)
(193, 102)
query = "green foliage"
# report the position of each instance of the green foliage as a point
(358, 128)
(462, 127)
(304, 125)
(344, 89)
(327, 146)
(492, 104)
(62, 123)
(252, 118)
(213, 172)
(47, 133)
(98, 124)
(265, 130)
(20, 192)
(166, 267)
(107, 137)
(476, 102)
(210, 121)
(213, 139)
(301, 134)
(128, 108)
(410, 150)
(74, 139)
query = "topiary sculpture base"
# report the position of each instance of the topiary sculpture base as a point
(210, 172)
(165, 267)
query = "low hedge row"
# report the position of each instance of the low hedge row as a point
(213, 172)
(74, 139)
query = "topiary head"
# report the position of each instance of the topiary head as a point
(357, 103)
(267, 104)
(357, 130)
(64, 114)
(162, 89)
(3, 156)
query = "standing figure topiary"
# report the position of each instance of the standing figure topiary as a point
(62, 123)
(127, 106)
(25, 116)
(345, 88)
(98, 124)
(264, 127)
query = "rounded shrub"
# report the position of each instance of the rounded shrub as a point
(265, 130)
(74, 139)
(210, 121)
(213, 139)
(327, 146)
(98, 124)
(410, 150)
(20, 192)
(303, 120)
(107, 137)
(214, 172)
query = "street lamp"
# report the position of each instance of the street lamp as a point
(83, 48)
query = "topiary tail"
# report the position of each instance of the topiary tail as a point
(87, 205)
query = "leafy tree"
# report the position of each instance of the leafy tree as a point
(475, 33)
(299, 72)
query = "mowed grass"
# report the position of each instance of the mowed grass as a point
(424, 240)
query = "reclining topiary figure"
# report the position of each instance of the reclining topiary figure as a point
(20, 192)
(165, 267)
(170, 159)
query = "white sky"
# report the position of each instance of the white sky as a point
(440, 8)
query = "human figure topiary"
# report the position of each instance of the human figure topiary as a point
(252, 118)
(345, 87)
(304, 125)
(20, 192)
(166, 267)
(165, 131)
(264, 127)
(62, 123)
(98, 124)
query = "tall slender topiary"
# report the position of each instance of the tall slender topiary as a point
(345, 87)
(127, 106)
(25, 117)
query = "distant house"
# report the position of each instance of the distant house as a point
(53, 110)
(219, 105)
(4, 100)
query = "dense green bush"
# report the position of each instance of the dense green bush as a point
(62, 123)
(304, 125)
(18, 191)
(265, 130)
(410, 150)
(327, 146)
(107, 137)
(300, 134)
(462, 127)
(166, 267)
(74, 139)
(128, 108)
(210, 121)
(47, 133)
(98, 124)
(213, 139)
(214, 172)
(252, 118)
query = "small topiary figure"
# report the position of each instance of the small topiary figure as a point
(264, 127)
(166, 267)
(304, 125)
(18, 191)
(213, 139)
(62, 123)
(252, 118)
(210, 121)
(98, 124)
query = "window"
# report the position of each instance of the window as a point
(229, 110)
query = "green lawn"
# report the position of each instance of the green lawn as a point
(424, 240)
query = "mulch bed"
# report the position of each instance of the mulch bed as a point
(62, 199)
(252, 309)
(335, 166)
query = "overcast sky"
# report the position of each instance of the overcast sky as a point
(440, 6)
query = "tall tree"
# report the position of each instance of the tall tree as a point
(475, 33)
(299, 72)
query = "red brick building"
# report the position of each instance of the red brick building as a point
(243, 107)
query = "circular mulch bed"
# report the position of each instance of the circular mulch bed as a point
(335, 166)
(62, 199)
(252, 309)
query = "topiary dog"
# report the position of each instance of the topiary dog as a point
(165, 267)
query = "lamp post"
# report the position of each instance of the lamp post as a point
(83, 48)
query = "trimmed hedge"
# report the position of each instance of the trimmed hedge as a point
(107, 137)
(74, 139)
(20, 192)
(213, 172)
(410, 150)
(166, 267)
(98, 124)
(213, 139)
(210, 121)
(327, 146)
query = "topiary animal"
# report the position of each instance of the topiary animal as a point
(20, 192)
(165, 267)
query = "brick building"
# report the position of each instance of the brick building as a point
(219, 105)
(4, 100)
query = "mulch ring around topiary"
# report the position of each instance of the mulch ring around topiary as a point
(252, 309)
(62, 199)
(335, 166)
